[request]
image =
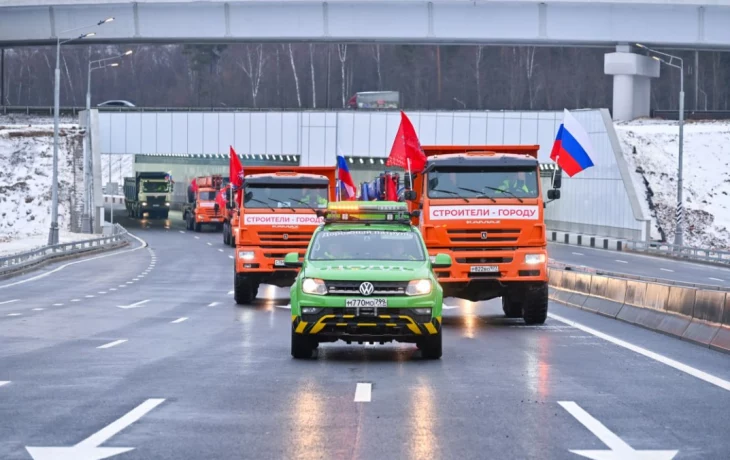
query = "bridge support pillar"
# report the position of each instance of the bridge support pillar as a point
(631, 85)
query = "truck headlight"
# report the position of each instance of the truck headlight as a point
(314, 286)
(167, 203)
(419, 287)
(245, 255)
(534, 259)
(144, 203)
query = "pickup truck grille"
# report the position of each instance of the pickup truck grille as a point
(473, 235)
(382, 288)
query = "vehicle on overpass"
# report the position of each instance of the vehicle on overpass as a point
(201, 207)
(148, 192)
(277, 216)
(116, 103)
(366, 277)
(483, 206)
(375, 100)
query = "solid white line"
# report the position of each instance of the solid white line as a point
(8, 301)
(709, 378)
(666, 270)
(14, 314)
(622, 261)
(179, 320)
(38, 309)
(113, 344)
(43, 275)
(100, 437)
(4, 382)
(58, 305)
(716, 279)
(606, 436)
(363, 392)
(213, 304)
(577, 253)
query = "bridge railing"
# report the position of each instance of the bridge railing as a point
(24, 260)
(692, 114)
(708, 255)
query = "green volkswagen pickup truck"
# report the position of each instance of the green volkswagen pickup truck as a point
(366, 277)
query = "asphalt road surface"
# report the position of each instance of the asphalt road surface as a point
(143, 353)
(641, 265)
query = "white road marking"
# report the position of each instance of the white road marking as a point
(134, 305)
(135, 279)
(577, 253)
(209, 244)
(618, 448)
(112, 289)
(220, 250)
(717, 279)
(38, 309)
(58, 305)
(89, 449)
(230, 292)
(286, 307)
(113, 344)
(89, 296)
(43, 275)
(130, 282)
(8, 301)
(101, 292)
(230, 257)
(666, 270)
(213, 304)
(4, 382)
(197, 237)
(709, 378)
(182, 231)
(179, 320)
(75, 300)
(14, 314)
(123, 286)
(449, 307)
(363, 392)
(622, 261)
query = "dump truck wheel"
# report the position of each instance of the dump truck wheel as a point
(535, 308)
(511, 308)
(243, 291)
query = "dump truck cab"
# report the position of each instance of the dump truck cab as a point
(277, 216)
(483, 205)
(202, 208)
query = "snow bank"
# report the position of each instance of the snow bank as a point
(38, 241)
(26, 167)
(651, 148)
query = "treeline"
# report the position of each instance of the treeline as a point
(304, 75)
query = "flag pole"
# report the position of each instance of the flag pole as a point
(410, 175)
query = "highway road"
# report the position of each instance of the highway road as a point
(640, 264)
(143, 353)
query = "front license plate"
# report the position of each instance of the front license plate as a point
(279, 263)
(155, 205)
(366, 303)
(484, 269)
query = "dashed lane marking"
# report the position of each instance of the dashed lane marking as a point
(577, 253)
(58, 305)
(220, 250)
(213, 304)
(38, 309)
(197, 237)
(89, 296)
(363, 392)
(230, 292)
(112, 289)
(8, 301)
(113, 344)
(75, 300)
(621, 261)
(230, 257)
(182, 231)
(666, 270)
(709, 378)
(4, 382)
(101, 292)
(179, 320)
(209, 244)
(14, 314)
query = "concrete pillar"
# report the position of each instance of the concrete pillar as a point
(631, 85)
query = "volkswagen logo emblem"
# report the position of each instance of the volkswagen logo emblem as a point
(366, 288)
(484, 235)
(286, 237)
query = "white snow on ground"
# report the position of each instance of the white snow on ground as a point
(122, 166)
(651, 149)
(26, 159)
(38, 241)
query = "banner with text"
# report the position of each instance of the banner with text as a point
(484, 212)
(282, 219)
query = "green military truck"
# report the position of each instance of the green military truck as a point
(148, 192)
(366, 277)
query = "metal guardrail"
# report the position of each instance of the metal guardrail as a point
(679, 252)
(15, 262)
(692, 114)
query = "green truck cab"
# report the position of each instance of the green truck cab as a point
(366, 277)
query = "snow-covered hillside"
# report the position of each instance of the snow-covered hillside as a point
(651, 148)
(26, 161)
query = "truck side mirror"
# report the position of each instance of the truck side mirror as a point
(557, 179)
(409, 195)
(553, 194)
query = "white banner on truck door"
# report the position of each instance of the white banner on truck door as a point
(484, 212)
(282, 219)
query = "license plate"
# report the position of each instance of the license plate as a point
(366, 303)
(484, 269)
(155, 205)
(279, 263)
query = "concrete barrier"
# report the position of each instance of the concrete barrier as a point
(694, 314)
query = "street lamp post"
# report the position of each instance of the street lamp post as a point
(679, 215)
(87, 220)
(53, 232)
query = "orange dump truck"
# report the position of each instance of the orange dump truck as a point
(201, 208)
(278, 216)
(483, 206)
(230, 218)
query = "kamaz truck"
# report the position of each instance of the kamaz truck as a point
(201, 208)
(148, 192)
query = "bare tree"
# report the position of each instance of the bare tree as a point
(376, 57)
(533, 86)
(477, 74)
(314, 81)
(296, 77)
(342, 53)
(252, 64)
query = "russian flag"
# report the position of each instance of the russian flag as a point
(572, 149)
(345, 178)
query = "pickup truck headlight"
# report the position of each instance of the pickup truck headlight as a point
(534, 259)
(245, 255)
(314, 286)
(419, 287)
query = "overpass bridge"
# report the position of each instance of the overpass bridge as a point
(692, 24)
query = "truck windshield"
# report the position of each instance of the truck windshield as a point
(367, 245)
(207, 196)
(288, 196)
(155, 187)
(482, 182)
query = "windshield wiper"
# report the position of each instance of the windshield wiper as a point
(304, 203)
(449, 191)
(478, 192)
(281, 202)
(262, 202)
(504, 191)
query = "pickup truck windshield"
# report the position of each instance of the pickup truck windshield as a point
(289, 196)
(482, 182)
(367, 245)
(155, 187)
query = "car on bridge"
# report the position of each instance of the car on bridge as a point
(366, 277)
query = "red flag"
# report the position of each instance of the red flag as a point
(220, 198)
(194, 185)
(235, 170)
(406, 147)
